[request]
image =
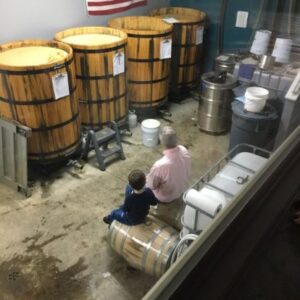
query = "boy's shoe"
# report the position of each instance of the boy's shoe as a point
(106, 220)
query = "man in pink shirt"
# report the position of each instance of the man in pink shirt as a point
(168, 178)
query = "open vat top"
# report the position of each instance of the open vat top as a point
(141, 25)
(33, 54)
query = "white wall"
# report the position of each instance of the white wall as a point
(34, 19)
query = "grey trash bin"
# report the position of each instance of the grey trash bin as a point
(252, 128)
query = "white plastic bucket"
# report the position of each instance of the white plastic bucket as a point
(150, 132)
(261, 42)
(255, 99)
(282, 50)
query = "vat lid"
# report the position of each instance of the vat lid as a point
(151, 123)
(227, 80)
(269, 112)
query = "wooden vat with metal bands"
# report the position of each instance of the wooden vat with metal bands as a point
(37, 89)
(147, 247)
(148, 72)
(99, 54)
(187, 47)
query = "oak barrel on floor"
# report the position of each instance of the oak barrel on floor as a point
(38, 89)
(187, 47)
(147, 247)
(99, 54)
(148, 67)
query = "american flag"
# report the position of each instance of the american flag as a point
(106, 7)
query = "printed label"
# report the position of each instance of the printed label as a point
(119, 63)
(199, 35)
(60, 85)
(165, 49)
(170, 20)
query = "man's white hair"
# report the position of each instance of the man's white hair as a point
(168, 137)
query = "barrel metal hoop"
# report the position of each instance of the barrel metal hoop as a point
(108, 100)
(43, 154)
(148, 81)
(48, 128)
(190, 64)
(108, 76)
(99, 50)
(145, 60)
(161, 249)
(188, 23)
(149, 36)
(146, 250)
(35, 102)
(95, 125)
(148, 102)
(39, 71)
(186, 83)
(186, 45)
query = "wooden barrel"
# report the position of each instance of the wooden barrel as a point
(187, 47)
(37, 89)
(99, 54)
(148, 63)
(147, 247)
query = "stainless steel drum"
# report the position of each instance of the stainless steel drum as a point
(214, 114)
(226, 62)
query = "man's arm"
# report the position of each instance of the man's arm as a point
(154, 179)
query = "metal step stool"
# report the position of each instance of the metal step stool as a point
(99, 141)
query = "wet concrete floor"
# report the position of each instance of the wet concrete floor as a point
(53, 244)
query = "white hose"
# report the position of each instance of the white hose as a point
(181, 246)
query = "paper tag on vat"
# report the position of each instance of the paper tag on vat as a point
(165, 49)
(119, 63)
(170, 20)
(60, 85)
(199, 35)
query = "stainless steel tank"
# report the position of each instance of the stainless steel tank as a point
(226, 62)
(214, 114)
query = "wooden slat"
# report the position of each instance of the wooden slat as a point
(1, 153)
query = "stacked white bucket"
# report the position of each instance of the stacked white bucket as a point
(255, 99)
(261, 42)
(204, 205)
(150, 132)
(282, 50)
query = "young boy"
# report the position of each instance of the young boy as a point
(138, 199)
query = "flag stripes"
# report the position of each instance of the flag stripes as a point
(106, 7)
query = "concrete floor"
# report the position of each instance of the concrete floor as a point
(53, 244)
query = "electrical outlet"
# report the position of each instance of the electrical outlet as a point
(241, 19)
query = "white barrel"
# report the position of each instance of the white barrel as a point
(255, 98)
(282, 50)
(261, 42)
(150, 132)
